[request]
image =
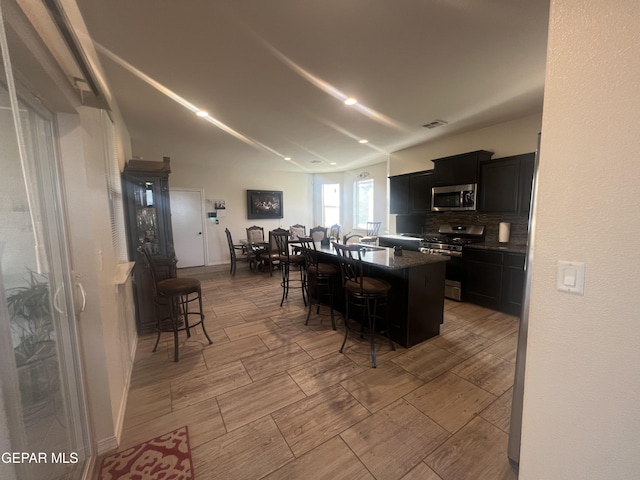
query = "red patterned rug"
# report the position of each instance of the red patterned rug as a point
(167, 457)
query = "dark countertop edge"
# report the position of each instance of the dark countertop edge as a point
(408, 259)
(498, 247)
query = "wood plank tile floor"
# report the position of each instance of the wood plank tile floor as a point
(273, 398)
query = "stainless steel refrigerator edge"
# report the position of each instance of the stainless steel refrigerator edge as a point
(515, 427)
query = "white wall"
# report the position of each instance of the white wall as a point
(107, 329)
(582, 384)
(231, 184)
(503, 139)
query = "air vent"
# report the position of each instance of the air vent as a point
(315, 161)
(434, 124)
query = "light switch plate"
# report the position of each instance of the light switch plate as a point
(571, 277)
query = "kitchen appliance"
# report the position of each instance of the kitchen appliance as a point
(454, 197)
(449, 241)
(517, 401)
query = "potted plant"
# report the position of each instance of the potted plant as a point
(32, 325)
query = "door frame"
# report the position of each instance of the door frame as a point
(205, 241)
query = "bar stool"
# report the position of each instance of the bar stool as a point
(177, 294)
(320, 278)
(287, 260)
(365, 293)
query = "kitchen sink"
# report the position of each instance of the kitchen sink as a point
(370, 248)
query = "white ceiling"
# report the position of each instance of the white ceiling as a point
(276, 72)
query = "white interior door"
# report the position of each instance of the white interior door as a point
(187, 221)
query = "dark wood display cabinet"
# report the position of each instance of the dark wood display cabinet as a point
(145, 187)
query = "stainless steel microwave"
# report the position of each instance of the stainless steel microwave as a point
(454, 197)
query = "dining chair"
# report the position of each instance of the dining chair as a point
(373, 229)
(318, 233)
(255, 234)
(367, 294)
(177, 294)
(334, 232)
(239, 253)
(298, 230)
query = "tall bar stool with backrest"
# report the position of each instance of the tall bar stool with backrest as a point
(288, 260)
(272, 258)
(365, 293)
(176, 293)
(320, 278)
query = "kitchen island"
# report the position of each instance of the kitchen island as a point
(416, 300)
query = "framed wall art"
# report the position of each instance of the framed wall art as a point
(264, 204)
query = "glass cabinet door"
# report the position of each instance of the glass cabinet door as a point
(144, 193)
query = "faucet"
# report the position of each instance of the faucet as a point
(346, 237)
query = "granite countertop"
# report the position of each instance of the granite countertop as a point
(502, 247)
(385, 258)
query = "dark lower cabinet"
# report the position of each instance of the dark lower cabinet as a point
(513, 283)
(483, 278)
(494, 279)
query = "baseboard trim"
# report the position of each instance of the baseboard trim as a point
(107, 445)
(125, 394)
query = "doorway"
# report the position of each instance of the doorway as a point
(43, 408)
(187, 220)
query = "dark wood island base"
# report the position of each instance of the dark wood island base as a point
(416, 301)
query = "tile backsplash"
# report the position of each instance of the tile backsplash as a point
(491, 222)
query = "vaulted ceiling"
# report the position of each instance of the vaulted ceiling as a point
(273, 74)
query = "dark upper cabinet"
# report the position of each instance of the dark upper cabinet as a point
(527, 166)
(410, 193)
(420, 192)
(458, 169)
(505, 184)
(145, 187)
(399, 194)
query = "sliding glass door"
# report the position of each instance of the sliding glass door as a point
(42, 407)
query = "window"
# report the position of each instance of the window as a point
(363, 203)
(112, 170)
(330, 204)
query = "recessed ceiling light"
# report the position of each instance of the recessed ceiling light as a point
(287, 158)
(333, 163)
(350, 101)
(202, 113)
(363, 140)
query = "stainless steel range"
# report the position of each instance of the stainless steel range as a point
(449, 241)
